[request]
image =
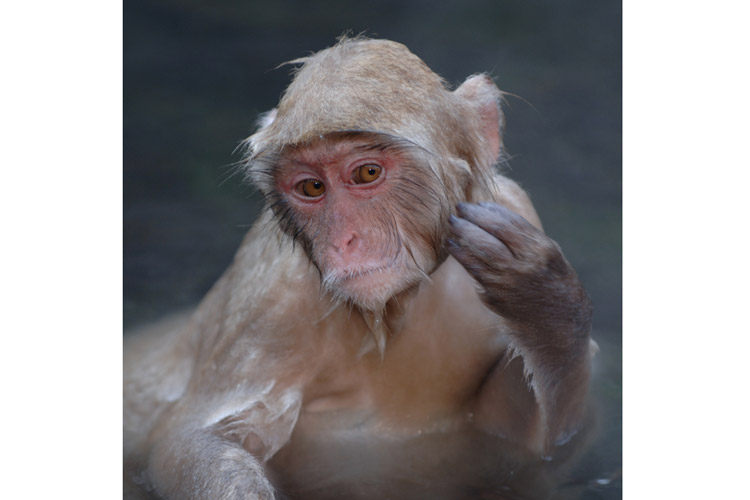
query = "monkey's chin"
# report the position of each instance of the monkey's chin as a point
(369, 288)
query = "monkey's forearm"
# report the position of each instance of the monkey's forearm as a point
(553, 338)
(525, 278)
(200, 465)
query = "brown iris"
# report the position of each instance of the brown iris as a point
(312, 188)
(366, 173)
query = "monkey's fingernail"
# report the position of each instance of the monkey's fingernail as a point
(459, 223)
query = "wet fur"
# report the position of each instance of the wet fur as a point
(274, 353)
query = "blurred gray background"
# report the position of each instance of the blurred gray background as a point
(197, 74)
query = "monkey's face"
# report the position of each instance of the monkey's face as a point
(367, 211)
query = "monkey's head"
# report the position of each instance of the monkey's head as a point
(365, 158)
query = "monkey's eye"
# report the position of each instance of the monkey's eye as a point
(312, 188)
(366, 173)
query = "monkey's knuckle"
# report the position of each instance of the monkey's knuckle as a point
(540, 249)
(550, 246)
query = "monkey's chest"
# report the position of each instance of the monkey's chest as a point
(360, 413)
(425, 378)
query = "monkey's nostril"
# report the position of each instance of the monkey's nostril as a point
(351, 245)
(346, 244)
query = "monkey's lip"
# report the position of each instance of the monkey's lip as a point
(353, 274)
(374, 276)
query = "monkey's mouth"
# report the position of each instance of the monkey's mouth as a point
(367, 286)
(353, 274)
(362, 278)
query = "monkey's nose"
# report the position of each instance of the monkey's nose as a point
(347, 245)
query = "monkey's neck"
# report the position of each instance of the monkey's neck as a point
(397, 307)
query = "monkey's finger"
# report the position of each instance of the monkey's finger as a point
(519, 235)
(471, 245)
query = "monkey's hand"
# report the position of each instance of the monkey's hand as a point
(523, 274)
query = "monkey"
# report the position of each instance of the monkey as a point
(395, 285)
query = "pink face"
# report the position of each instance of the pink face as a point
(344, 197)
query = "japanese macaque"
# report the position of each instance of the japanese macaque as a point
(396, 286)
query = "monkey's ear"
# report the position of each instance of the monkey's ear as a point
(253, 167)
(251, 144)
(265, 119)
(484, 95)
